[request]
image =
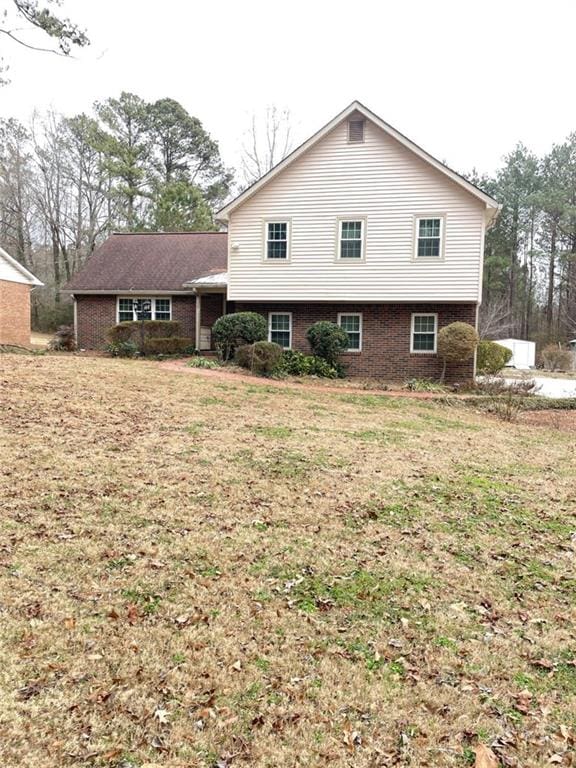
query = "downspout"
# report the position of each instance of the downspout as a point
(198, 319)
(75, 320)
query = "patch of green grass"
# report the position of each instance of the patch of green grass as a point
(147, 599)
(368, 594)
(262, 664)
(118, 563)
(560, 678)
(276, 432)
(373, 662)
(196, 428)
(286, 464)
(371, 401)
(214, 401)
(380, 436)
(446, 642)
(203, 566)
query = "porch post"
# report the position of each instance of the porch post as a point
(224, 303)
(198, 321)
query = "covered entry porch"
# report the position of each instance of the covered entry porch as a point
(210, 293)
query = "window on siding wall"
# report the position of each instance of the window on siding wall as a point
(351, 239)
(280, 329)
(144, 308)
(424, 332)
(429, 238)
(277, 240)
(352, 324)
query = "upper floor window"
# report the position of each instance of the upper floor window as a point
(277, 239)
(424, 333)
(429, 234)
(351, 322)
(356, 130)
(280, 328)
(351, 239)
(144, 308)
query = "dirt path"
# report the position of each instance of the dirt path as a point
(245, 378)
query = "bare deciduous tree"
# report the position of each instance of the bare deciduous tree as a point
(495, 319)
(267, 141)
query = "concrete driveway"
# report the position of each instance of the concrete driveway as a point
(549, 387)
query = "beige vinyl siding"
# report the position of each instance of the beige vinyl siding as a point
(387, 186)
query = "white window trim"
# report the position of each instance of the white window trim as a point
(423, 351)
(417, 219)
(289, 328)
(353, 314)
(288, 223)
(152, 299)
(341, 220)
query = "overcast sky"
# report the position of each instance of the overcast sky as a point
(464, 80)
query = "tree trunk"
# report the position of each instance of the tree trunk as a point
(551, 280)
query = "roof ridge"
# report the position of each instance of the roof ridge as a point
(189, 232)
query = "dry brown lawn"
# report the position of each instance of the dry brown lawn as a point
(201, 573)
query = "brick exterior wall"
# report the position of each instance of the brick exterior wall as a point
(14, 313)
(95, 314)
(386, 332)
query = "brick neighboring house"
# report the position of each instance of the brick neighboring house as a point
(359, 226)
(16, 284)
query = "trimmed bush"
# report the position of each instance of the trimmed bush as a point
(327, 340)
(120, 333)
(294, 363)
(203, 362)
(152, 329)
(262, 357)
(556, 358)
(491, 358)
(456, 343)
(170, 345)
(232, 331)
(122, 349)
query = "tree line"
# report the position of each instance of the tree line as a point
(67, 182)
(529, 287)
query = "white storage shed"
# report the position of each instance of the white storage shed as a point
(523, 352)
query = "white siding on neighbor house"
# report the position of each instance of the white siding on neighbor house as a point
(380, 181)
(10, 273)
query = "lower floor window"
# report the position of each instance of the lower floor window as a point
(144, 308)
(352, 324)
(280, 329)
(424, 332)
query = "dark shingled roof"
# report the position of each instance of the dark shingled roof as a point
(151, 261)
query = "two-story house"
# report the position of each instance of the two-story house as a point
(358, 225)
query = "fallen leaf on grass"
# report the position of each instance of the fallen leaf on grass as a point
(523, 702)
(485, 758)
(162, 716)
(542, 664)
